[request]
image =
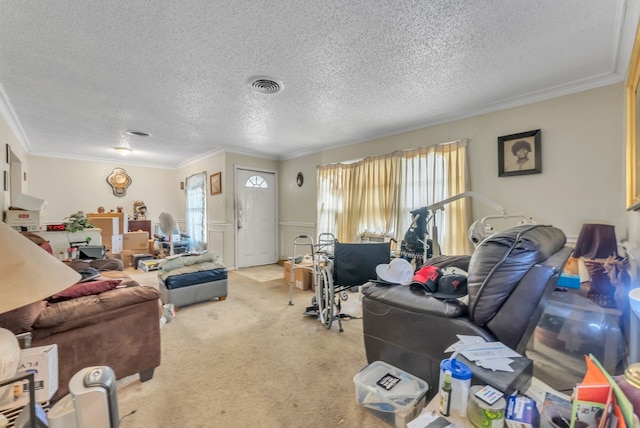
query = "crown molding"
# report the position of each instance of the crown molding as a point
(10, 116)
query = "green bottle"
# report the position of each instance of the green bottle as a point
(445, 394)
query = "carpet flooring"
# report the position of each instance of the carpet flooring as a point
(250, 360)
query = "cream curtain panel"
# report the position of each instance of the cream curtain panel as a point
(196, 210)
(375, 195)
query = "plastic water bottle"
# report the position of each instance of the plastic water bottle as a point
(445, 394)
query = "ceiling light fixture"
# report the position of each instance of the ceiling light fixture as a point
(138, 133)
(122, 150)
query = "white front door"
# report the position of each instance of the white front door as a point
(255, 218)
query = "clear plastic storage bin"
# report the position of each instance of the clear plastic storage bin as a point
(391, 394)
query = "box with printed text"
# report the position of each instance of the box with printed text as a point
(24, 220)
(42, 361)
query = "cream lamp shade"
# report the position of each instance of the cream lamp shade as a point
(27, 272)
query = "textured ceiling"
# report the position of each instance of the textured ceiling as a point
(77, 74)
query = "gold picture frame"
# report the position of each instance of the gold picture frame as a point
(215, 182)
(633, 139)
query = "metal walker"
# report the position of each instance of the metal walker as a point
(324, 303)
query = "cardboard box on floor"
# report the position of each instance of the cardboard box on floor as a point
(302, 277)
(127, 257)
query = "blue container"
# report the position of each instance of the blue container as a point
(460, 384)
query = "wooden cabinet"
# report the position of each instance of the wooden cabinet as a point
(136, 225)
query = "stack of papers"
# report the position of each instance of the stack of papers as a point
(489, 355)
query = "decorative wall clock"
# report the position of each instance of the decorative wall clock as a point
(119, 181)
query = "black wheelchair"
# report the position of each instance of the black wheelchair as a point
(337, 269)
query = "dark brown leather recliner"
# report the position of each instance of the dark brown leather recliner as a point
(511, 275)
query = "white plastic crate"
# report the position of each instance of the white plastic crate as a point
(391, 394)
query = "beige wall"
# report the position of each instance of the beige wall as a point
(582, 161)
(583, 172)
(72, 185)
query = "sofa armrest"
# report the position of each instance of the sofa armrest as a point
(403, 297)
(83, 310)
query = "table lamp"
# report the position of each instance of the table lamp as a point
(597, 246)
(596, 241)
(29, 274)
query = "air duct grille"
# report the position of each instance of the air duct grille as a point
(266, 86)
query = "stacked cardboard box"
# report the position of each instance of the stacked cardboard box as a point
(302, 275)
(110, 233)
(136, 241)
(123, 221)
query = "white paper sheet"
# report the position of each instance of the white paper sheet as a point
(489, 350)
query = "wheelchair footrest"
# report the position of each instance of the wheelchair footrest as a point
(311, 311)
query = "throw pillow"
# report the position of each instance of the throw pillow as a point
(20, 320)
(85, 289)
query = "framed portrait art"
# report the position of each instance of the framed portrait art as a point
(520, 154)
(215, 182)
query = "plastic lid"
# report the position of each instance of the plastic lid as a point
(458, 370)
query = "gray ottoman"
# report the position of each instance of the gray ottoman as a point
(189, 288)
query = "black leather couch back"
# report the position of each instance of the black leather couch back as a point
(501, 261)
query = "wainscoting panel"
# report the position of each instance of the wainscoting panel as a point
(288, 232)
(221, 242)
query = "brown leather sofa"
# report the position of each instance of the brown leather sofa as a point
(510, 276)
(119, 328)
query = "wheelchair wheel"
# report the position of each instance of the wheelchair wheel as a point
(325, 298)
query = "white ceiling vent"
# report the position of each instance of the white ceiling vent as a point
(265, 85)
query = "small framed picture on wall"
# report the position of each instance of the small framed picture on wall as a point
(215, 182)
(520, 154)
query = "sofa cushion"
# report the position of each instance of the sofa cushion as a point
(81, 309)
(86, 288)
(22, 319)
(502, 260)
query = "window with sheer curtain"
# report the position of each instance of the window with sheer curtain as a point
(374, 196)
(196, 221)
